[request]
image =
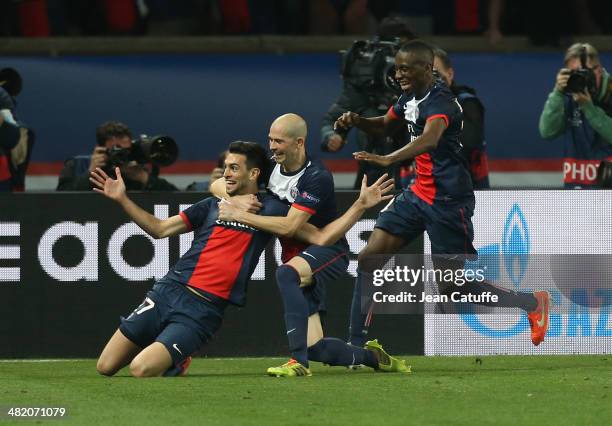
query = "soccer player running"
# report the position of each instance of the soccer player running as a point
(185, 308)
(441, 201)
(308, 188)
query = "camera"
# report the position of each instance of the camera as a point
(11, 81)
(582, 78)
(160, 151)
(369, 65)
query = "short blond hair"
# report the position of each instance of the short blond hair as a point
(575, 50)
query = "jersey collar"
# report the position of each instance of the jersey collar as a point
(306, 164)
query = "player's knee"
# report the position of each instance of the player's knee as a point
(365, 262)
(105, 368)
(140, 368)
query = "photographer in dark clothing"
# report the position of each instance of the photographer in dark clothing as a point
(16, 140)
(367, 100)
(472, 136)
(111, 135)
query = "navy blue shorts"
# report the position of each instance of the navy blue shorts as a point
(328, 263)
(170, 314)
(448, 224)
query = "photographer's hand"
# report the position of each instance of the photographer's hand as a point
(335, 143)
(98, 158)
(562, 76)
(582, 98)
(104, 184)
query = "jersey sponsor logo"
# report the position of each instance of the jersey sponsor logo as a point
(310, 197)
(234, 225)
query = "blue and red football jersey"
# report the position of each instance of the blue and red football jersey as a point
(223, 255)
(310, 189)
(441, 174)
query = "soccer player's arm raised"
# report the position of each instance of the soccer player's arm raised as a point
(295, 225)
(376, 126)
(115, 190)
(434, 128)
(369, 196)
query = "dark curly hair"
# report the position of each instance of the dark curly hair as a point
(111, 129)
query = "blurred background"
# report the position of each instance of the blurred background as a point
(207, 72)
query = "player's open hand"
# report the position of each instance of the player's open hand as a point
(371, 195)
(380, 160)
(228, 211)
(104, 184)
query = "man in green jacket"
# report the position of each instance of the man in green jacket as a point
(580, 109)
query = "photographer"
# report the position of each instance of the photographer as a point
(367, 100)
(472, 134)
(114, 145)
(217, 172)
(580, 109)
(16, 139)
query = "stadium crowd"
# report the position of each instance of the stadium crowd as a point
(545, 23)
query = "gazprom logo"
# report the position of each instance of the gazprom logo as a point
(515, 245)
(511, 256)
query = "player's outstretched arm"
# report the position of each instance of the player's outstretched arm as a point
(369, 196)
(374, 126)
(426, 142)
(115, 190)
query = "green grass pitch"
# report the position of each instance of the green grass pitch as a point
(514, 390)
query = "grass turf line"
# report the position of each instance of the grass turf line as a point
(442, 390)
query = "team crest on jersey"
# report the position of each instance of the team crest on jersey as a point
(294, 192)
(411, 112)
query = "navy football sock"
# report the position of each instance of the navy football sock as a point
(173, 371)
(296, 312)
(358, 328)
(333, 351)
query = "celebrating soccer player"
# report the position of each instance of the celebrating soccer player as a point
(441, 201)
(308, 188)
(185, 308)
